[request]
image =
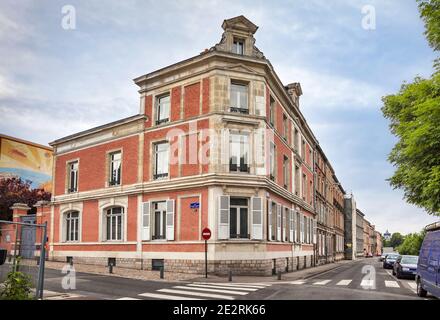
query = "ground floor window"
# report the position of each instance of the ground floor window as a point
(72, 226)
(114, 223)
(159, 216)
(239, 218)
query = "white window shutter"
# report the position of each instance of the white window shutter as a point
(223, 225)
(314, 231)
(269, 220)
(146, 221)
(257, 218)
(278, 222)
(301, 219)
(170, 220)
(292, 226)
(260, 106)
(284, 219)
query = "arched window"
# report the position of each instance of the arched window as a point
(113, 221)
(72, 226)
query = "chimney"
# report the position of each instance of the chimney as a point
(294, 91)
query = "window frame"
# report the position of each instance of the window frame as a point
(68, 221)
(235, 45)
(158, 120)
(164, 175)
(239, 109)
(272, 104)
(69, 178)
(111, 161)
(246, 147)
(272, 161)
(238, 208)
(162, 220)
(120, 220)
(286, 161)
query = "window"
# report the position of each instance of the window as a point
(72, 177)
(303, 150)
(304, 186)
(115, 169)
(159, 216)
(238, 46)
(272, 161)
(297, 182)
(239, 98)
(114, 223)
(238, 217)
(298, 227)
(161, 160)
(163, 109)
(286, 224)
(286, 172)
(285, 127)
(239, 153)
(310, 191)
(72, 225)
(274, 221)
(295, 140)
(272, 111)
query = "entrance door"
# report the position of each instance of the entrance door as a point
(238, 219)
(27, 243)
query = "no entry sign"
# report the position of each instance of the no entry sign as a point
(206, 234)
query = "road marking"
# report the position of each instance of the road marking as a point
(198, 294)
(367, 283)
(343, 283)
(391, 284)
(322, 283)
(166, 296)
(213, 290)
(413, 285)
(128, 298)
(237, 285)
(297, 282)
(220, 287)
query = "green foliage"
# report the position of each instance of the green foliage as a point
(16, 287)
(414, 114)
(430, 13)
(396, 240)
(412, 244)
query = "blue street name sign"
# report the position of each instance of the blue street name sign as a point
(194, 205)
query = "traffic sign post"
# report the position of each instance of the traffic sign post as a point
(206, 235)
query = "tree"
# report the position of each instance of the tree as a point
(15, 190)
(414, 114)
(412, 244)
(396, 240)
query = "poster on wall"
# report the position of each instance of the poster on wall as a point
(26, 160)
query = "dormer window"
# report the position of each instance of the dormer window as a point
(238, 46)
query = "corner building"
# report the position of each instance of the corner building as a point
(219, 142)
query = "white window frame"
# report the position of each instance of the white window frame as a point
(237, 99)
(112, 164)
(244, 148)
(238, 46)
(71, 170)
(118, 217)
(162, 175)
(72, 223)
(163, 217)
(159, 105)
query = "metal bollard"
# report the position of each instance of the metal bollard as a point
(279, 275)
(161, 272)
(110, 268)
(230, 276)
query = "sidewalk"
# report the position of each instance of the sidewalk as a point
(290, 276)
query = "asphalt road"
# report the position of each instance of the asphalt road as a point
(359, 280)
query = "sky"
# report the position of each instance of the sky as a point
(56, 81)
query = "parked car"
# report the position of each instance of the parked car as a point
(405, 266)
(428, 267)
(390, 259)
(383, 256)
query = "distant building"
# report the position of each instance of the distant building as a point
(387, 236)
(350, 242)
(26, 160)
(359, 233)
